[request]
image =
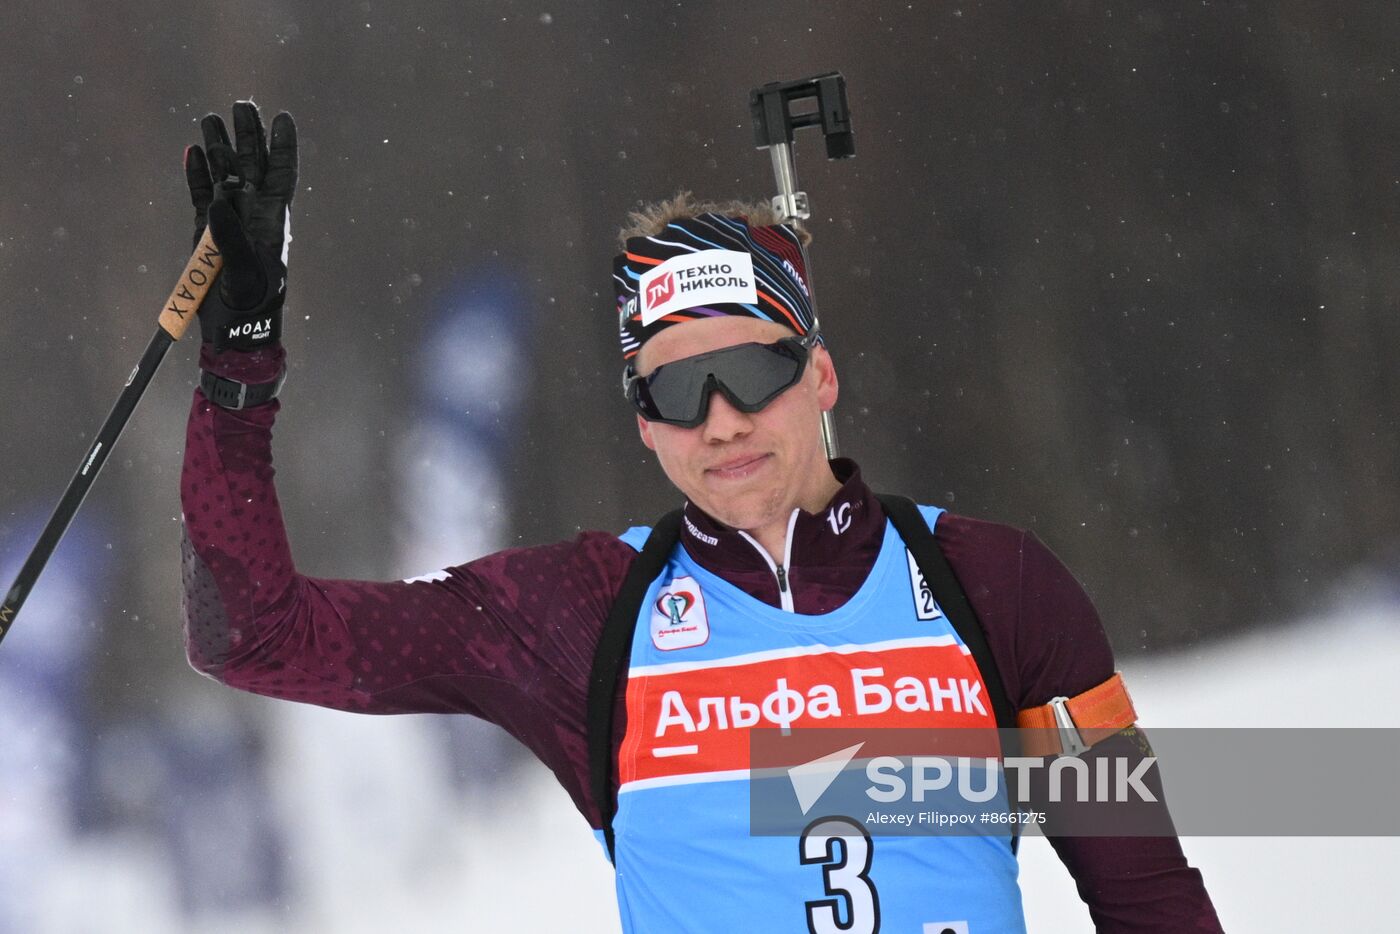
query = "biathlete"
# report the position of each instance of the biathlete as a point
(787, 580)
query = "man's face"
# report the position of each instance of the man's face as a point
(748, 470)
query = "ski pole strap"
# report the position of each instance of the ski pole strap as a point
(614, 649)
(938, 575)
(1068, 726)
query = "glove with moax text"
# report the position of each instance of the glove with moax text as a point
(242, 191)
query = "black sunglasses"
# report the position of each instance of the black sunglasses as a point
(749, 375)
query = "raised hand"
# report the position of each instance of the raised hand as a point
(242, 190)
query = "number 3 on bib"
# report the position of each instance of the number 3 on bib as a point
(844, 850)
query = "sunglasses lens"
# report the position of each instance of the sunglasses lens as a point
(673, 394)
(758, 373)
(751, 376)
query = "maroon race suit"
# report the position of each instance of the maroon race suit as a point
(510, 637)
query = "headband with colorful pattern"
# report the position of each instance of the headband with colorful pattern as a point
(706, 266)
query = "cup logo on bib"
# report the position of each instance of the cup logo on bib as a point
(678, 618)
(675, 605)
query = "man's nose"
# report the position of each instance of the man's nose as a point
(723, 422)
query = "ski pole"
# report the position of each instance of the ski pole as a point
(774, 124)
(175, 317)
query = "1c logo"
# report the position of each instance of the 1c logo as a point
(839, 517)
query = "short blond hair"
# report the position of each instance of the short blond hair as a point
(650, 219)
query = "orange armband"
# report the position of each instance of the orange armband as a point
(1070, 725)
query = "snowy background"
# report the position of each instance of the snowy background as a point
(1118, 272)
(377, 838)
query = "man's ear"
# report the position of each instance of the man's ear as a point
(644, 429)
(828, 387)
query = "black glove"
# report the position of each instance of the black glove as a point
(242, 194)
